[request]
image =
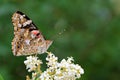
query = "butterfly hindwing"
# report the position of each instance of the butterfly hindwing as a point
(27, 38)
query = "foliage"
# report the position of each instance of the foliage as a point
(1, 78)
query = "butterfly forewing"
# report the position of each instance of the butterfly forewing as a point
(27, 38)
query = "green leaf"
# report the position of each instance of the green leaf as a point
(1, 78)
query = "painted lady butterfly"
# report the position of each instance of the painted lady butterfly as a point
(28, 39)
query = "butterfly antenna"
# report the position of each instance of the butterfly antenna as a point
(59, 34)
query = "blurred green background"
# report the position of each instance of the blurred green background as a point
(88, 30)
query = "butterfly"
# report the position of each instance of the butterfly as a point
(27, 39)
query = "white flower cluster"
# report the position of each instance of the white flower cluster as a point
(31, 63)
(65, 70)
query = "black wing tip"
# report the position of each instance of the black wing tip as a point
(19, 12)
(25, 16)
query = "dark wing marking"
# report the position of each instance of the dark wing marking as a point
(30, 25)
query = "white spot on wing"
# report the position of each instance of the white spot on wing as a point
(19, 25)
(27, 42)
(42, 48)
(23, 15)
(27, 23)
(33, 36)
(22, 30)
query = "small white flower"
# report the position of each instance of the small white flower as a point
(45, 76)
(32, 62)
(52, 60)
(65, 70)
(70, 59)
(34, 75)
